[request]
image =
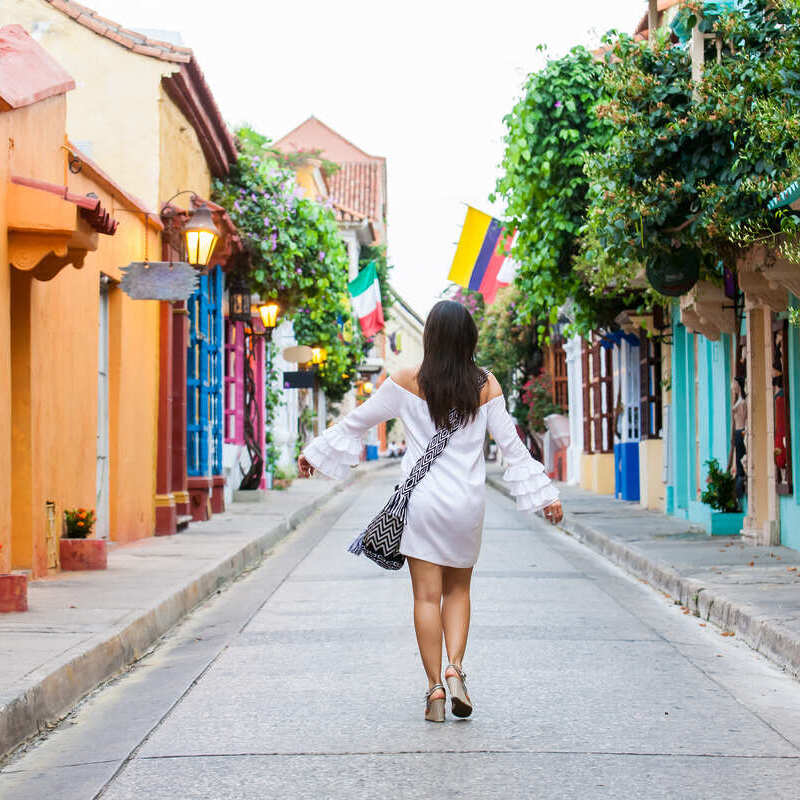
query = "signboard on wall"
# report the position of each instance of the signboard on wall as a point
(300, 379)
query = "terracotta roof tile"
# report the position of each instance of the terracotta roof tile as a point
(356, 186)
(139, 43)
(187, 86)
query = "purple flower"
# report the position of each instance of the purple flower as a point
(299, 271)
(273, 241)
(236, 206)
(557, 104)
(321, 256)
(266, 222)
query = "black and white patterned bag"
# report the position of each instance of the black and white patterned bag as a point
(381, 539)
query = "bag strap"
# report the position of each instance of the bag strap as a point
(424, 463)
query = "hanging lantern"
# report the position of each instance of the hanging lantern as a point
(238, 301)
(200, 235)
(269, 314)
(675, 272)
(318, 355)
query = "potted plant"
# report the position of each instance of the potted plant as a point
(725, 516)
(282, 478)
(77, 550)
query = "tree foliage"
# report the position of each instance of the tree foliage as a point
(550, 132)
(689, 165)
(297, 255)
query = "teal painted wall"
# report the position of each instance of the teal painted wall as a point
(700, 422)
(683, 417)
(790, 504)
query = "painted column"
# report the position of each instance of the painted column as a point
(284, 426)
(761, 524)
(790, 504)
(574, 350)
(166, 519)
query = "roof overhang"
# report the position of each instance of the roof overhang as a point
(189, 91)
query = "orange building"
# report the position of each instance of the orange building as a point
(78, 358)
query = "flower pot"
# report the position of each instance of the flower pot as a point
(726, 523)
(80, 554)
(13, 592)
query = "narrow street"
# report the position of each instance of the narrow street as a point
(302, 681)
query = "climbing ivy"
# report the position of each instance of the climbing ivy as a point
(297, 254)
(551, 131)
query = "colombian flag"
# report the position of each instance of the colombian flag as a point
(482, 249)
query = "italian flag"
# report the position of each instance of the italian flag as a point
(366, 294)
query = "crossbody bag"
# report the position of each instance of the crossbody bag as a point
(381, 539)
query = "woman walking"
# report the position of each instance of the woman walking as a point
(444, 524)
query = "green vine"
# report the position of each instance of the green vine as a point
(297, 255)
(550, 132)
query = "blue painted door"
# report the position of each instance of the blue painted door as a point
(204, 377)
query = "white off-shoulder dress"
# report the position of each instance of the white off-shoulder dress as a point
(444, 522)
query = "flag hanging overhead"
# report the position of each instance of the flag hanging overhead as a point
(482, 248)
(365, 292)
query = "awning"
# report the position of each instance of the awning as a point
(90, 208)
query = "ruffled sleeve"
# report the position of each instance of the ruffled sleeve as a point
(527, 481)
(339, 448)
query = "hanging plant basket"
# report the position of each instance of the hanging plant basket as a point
(159, 280)
(675, 272)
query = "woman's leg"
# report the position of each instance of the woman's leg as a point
(426, 582)
(455, 612)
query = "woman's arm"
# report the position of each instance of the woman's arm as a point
(528, 482)
(338, 448)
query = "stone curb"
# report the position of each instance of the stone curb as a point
(53, 693)
(764, 635)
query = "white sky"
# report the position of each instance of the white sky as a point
(425, 84)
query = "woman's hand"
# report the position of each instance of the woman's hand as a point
(304, 468)
(554, 513)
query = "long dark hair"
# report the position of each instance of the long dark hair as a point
(449, 377)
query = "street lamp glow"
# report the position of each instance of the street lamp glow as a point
(200, 235)
(368, 387)
(269, 314)
(318, 355)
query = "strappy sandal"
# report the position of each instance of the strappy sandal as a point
(434, 709)
(461, 705)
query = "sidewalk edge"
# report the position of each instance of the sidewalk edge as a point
(50, 698)
(766, 636)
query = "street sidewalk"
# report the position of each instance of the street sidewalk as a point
(82, 628)
(752, 592)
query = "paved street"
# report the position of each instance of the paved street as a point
(302, 680)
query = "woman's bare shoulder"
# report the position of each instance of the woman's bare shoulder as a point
(491, 388)
(407, 378)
